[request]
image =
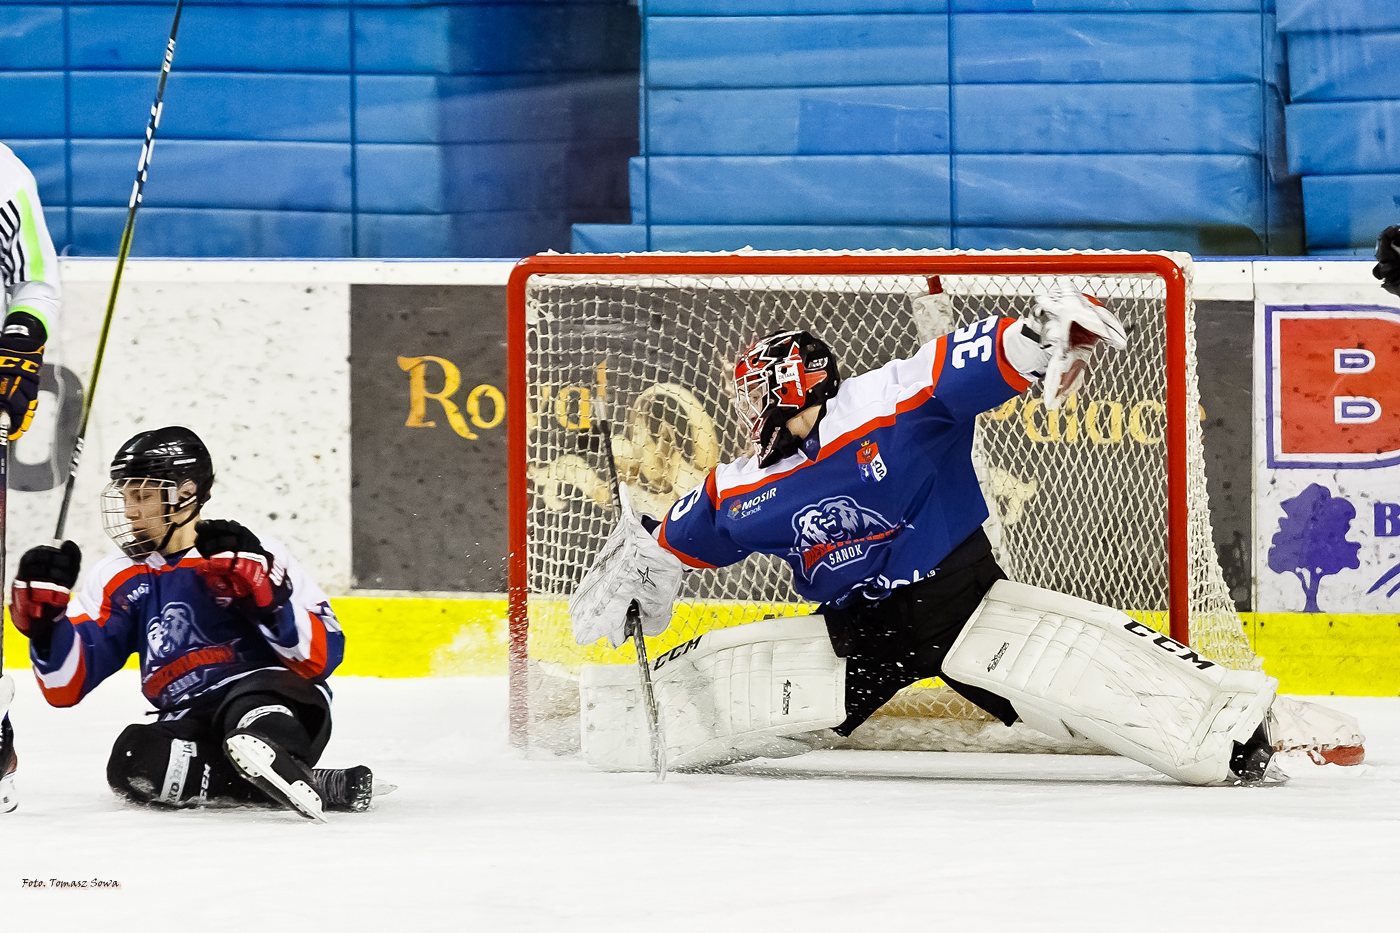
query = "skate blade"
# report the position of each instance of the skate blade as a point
(255, 759)
(1273, 774)
(383, 787)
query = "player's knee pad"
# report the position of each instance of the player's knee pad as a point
(1070, 666)
(280, 706)
(270, 717)
(727, 696)
(149, 765)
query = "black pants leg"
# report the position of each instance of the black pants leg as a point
(175, 763)
(180, 761)
(282, 707)
(903, 639)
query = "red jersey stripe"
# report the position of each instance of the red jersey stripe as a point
(70, 693)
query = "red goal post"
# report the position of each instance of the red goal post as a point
(854, 264)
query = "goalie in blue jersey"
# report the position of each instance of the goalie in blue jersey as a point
(865, 487)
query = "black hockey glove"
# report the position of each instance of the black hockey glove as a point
(1388, 259)
(237, 568)
(43, 583)
(21, 359)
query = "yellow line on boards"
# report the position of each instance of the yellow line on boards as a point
(409, 636)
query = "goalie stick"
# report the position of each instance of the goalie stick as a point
(633, 630)
(135, 201)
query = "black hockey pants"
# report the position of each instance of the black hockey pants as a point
(903, 638)
(179, 759)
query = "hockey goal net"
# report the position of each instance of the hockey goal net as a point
(1104, 500)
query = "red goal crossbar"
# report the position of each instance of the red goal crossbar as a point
(833, 265)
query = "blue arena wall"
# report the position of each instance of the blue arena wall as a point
(404, 128)
(1344, 118)
(326, 128)
(970, 124)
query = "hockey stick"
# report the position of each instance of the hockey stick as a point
(135, 201)
(633, 628)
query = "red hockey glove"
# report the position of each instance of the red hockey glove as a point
(236, 567)
(39, 595)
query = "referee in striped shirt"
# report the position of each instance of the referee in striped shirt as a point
(30, 293)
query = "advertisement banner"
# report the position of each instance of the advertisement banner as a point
(1328, 500)
(1224, 348)
(428, 437)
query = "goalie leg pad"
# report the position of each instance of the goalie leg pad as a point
(727, 696)
(1070, 666)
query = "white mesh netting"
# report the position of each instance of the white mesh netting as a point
(1078, 498)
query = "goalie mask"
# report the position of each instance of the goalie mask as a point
(160, 480)
(777, 378)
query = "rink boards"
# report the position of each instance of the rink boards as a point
(320, 389)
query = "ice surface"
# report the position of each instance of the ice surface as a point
(479, 837)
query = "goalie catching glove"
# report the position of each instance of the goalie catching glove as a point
(631, 567)
(43, 584)
(1069, 325)
(237, 568)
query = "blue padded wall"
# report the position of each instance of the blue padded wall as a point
(1343, 118)
(964, 123)
(326, 128)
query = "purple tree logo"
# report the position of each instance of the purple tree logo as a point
(1311, 542)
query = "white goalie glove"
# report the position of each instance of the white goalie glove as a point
(1070, 325)
(632, 566)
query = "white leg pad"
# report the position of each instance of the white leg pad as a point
(1070, 666)
(7, 692)
(727, 696)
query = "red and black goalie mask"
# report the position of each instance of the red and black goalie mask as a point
(777, 378)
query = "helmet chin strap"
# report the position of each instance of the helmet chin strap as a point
(176, 526)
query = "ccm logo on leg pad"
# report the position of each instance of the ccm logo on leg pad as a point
(676, 652)
(1175, 648)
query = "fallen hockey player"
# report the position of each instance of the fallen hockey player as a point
(865, 486)
(235, 642)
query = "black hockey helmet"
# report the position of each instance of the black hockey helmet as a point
(775, 379)
(143, 500)
(174, 453)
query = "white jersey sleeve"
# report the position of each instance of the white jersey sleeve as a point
(28, 263)
(309, 639)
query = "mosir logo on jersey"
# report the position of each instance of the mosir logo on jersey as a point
(743, 508)
(836, 532)
(1333, 389)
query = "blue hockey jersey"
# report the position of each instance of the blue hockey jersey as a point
(189, 642)
(881, 491)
